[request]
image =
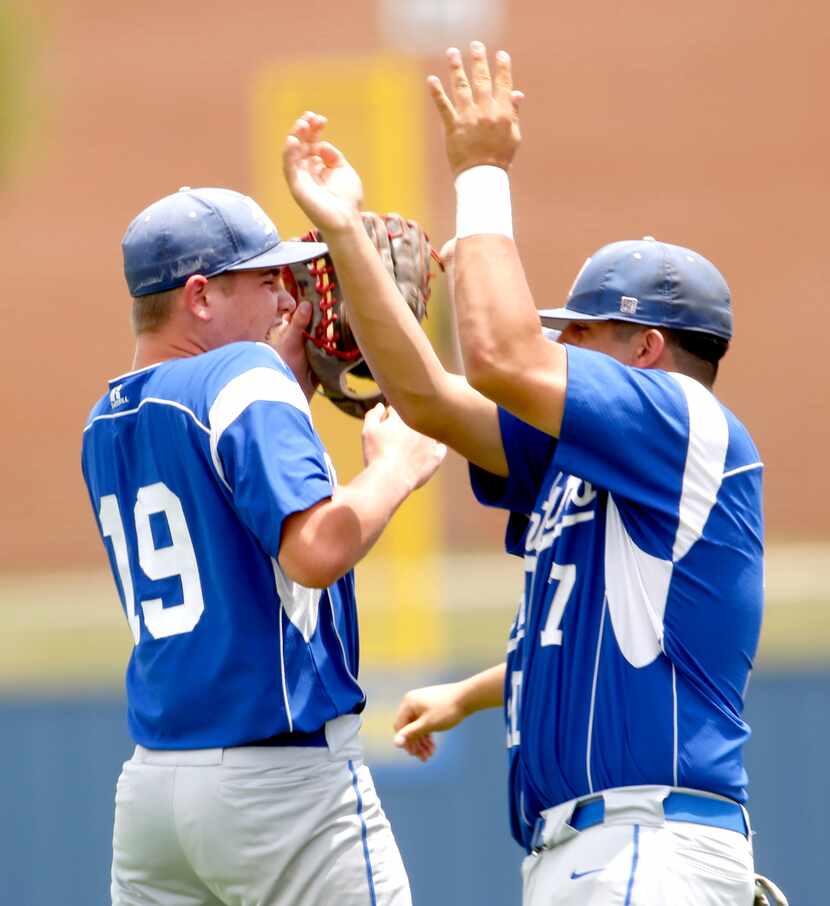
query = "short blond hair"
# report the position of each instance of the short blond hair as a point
(151, 313)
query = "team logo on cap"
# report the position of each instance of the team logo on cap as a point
(628, 305)
(261, 218)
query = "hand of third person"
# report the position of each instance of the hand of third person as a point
(423, 711)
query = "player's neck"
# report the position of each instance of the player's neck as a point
(151, 348)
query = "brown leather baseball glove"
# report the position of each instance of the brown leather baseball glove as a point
(332, 351)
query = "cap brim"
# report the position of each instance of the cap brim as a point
(283, 253)
(559, 318)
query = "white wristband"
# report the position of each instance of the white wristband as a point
(483, 202)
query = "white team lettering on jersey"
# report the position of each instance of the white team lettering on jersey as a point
(546, 526)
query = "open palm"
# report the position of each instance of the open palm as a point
(322, 181)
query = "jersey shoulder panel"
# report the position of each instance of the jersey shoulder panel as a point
(743, 454)
(528, 452)
(263, 379)
(626, 430)
(100, 407)
(195, 382)
(199, 380)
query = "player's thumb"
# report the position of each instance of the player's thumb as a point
(301, 317)
(412, 731)
(374, 416)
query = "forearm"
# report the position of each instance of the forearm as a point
(506, 357)
(497, 321)
(437, 708)
(484, 690)
(402, 360)
(373, 496)
(324, 542)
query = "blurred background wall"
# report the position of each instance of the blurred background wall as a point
(699, 124)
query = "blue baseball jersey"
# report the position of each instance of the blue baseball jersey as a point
(192, 465)
(642, 536)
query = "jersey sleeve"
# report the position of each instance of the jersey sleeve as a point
(644, 435)
(266, 451)
(528, 452)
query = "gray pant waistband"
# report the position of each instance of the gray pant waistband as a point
(628, 805)
(342, 744)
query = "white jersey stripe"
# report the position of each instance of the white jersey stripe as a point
(337, 633)
(636, 588)
(594, 698)
(302, 605)
(282, 655)
(638, 583)
(255, 385)
(740, 469)
(129, 374)
(674, 721)
(708, 440)
(144, 402)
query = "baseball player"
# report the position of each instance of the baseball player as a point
(232, 549)
(635, 501)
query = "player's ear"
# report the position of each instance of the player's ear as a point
(649, 349)
(195, 298)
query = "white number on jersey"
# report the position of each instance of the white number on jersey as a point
(177, 559)
(514, 737)
(565, 573)
(112, 527)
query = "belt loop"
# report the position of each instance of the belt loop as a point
(750, 833)
(536, 844)
(553, 826)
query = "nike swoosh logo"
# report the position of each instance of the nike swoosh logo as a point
(581, 874)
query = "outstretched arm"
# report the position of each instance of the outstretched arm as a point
(320, 544)
(433, 708)
(505, 356)
(401, 358)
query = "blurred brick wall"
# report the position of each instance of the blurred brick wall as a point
(700, 125)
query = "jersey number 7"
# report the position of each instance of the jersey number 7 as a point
(177, 559)
(565, 574)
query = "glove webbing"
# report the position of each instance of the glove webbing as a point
(326, 334)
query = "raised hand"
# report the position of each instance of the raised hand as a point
(481, 115)
(322, 181)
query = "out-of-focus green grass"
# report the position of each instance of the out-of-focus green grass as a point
(68, 631)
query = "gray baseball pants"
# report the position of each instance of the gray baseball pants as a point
(254, 826)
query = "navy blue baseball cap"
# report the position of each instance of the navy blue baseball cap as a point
(648, 282)
(203, 231)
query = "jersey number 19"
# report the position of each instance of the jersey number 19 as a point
(176, 559)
